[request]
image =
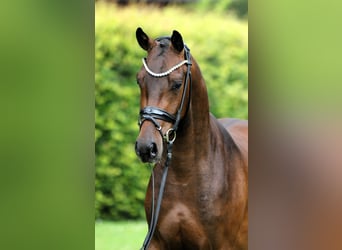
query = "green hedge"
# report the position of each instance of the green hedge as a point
(238, 7)
(219, 44)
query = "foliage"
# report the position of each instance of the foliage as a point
(239, 7)
(123, 235)
(219, 45)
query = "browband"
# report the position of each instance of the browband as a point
(166, 72)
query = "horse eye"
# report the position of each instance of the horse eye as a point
(176, 85)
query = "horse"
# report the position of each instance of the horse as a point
(200, 163)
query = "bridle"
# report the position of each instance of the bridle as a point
(154, 114)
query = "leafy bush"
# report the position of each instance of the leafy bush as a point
(239, 7)
(219, 44)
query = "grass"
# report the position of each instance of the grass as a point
(126, 235)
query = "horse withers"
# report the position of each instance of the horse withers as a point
(200, 163)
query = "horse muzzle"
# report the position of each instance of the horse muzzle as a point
(149, 144)
(147, 152)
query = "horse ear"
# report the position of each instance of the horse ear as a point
(177, 41)
(143, 39)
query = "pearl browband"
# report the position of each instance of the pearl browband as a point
(166, 72)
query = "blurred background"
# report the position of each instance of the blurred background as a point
(47, 101)
(216, 33)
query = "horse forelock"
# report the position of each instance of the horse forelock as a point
(158, 54)
(164, 42)
(162, 47)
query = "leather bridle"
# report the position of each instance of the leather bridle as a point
(153, 114)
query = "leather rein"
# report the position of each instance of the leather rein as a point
(153, 114)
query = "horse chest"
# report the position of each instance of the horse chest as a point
(180, 228)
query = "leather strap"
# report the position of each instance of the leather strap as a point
(156, 113)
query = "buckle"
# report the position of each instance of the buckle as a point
(170, 135)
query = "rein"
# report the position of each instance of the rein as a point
(153, 114)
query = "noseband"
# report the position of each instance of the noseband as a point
(154, 114)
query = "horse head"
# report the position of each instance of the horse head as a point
(164, 95)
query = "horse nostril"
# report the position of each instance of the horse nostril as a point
(153, 150)
(136, 148)
(146, 152)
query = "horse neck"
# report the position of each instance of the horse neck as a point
(199, 107)
(193, 135)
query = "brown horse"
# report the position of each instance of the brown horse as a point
(205, 201)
